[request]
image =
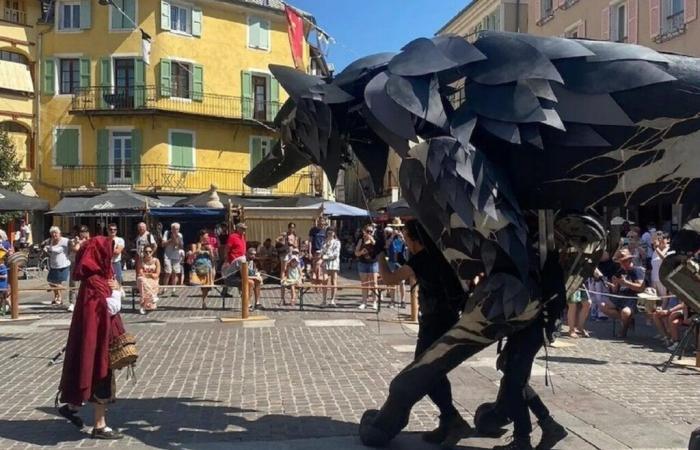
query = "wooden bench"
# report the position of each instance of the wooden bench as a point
(306, 287)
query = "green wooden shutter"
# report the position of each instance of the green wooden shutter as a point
(165, 77)
(274, 99)
(182, 147)
(254, 32)
(264, 39)
(48, 77)
(196, 22)
(136, 148)
(84, 73)
(67, 147)
(102, 156)
(246, 95)
(105, 81)
(197, 82)
(85, 14)
(255, 151)
(139, 83)
(164, 15)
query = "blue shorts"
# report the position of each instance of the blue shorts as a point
(622, 303)
(58, 276)
(363, 267)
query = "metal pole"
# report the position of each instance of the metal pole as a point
(245, 300)
(414, 302)
(14, 290)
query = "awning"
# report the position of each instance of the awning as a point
(184, 212)
(329, 208)
(107, 203)
(14, 201)
(15, 76)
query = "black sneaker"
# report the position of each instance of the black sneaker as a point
(106, 433)
(552, 432)
(435, 436)
(456, 429)
(71, 415)
(516, 444)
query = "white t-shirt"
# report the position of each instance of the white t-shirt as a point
(118, 242)
(174, 252)
(142, 241)
(58, 254)
(656, 261)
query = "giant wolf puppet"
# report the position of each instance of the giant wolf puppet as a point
(508, 146)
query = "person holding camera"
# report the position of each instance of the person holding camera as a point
(366, 253)
(625, 285)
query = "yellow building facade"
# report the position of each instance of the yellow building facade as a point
(197, 113)
(18, 52)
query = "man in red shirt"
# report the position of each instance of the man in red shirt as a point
(236, 245)
(235, 254)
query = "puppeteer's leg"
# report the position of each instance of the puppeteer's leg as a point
(471, 334)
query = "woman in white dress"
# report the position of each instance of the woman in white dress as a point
(330, 255)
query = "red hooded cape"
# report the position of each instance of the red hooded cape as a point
(92, 328)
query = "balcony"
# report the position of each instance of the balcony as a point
(15, 16)
(165, 179)
(109, 100)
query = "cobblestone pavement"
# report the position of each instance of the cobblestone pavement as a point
(302, 379)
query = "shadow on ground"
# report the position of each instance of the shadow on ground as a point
(175, 422)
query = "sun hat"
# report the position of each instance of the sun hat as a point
(623, 255)
(396, 222)
(649, 294)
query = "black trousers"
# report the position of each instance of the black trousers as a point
(441, 393)
(515, 395)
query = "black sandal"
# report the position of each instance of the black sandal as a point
(71, 415)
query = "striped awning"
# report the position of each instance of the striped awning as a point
(15, 76)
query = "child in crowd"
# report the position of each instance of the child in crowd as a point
(291, 279)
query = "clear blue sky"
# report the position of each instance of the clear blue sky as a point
(363, 27)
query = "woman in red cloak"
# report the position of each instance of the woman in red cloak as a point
(86, 372)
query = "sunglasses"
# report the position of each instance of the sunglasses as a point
(112, 229)
(148, 252)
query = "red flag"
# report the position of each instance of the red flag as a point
(295, 30)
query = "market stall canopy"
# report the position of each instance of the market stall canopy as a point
(399, 209)
(210, 198)
(188, 212)
(112, 201)
(14, 201)
(328, 207)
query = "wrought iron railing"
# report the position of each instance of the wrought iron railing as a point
(162, 178)
(674, 22)
(15, 16)
(145, 98)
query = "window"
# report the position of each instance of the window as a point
(180, 17)
(125, 21)
(672, 15)
(182, 154)
(12, 57)
(258, 33)
(120, 157)
(618, 22)
(492, 21)
(259, 148)
(69, 75)
(69, 15)
(547, 8)
(66, 146)
(180, 79)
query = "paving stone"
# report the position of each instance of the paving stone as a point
(334, 323)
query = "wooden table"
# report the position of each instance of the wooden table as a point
(306, 287)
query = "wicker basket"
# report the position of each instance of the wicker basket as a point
(122, 352)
